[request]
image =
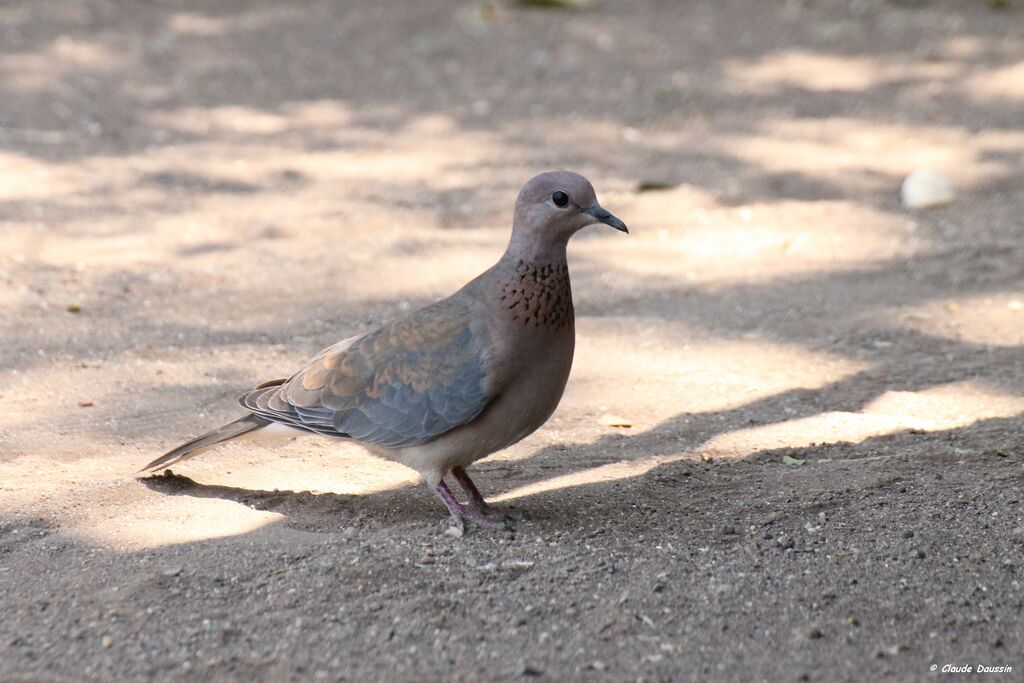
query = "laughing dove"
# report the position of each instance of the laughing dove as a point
(457, 380)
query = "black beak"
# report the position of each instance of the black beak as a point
(603, 216)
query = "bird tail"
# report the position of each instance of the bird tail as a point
(231, 430)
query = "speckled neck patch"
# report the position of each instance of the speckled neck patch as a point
(539, 295)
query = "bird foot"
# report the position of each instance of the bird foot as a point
(487, 516)
(480, 514)
(477, 509)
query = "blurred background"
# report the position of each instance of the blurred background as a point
(197, 196)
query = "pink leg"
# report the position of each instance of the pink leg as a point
(475, 498)
(453, 505)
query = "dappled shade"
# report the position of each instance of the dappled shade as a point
(195, 197)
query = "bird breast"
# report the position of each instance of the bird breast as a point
(538, 296)
(539, 335)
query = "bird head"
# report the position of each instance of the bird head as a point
(553, 206)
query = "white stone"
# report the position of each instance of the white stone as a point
(924, 189)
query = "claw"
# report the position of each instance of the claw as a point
(487, 517)
(476, 511)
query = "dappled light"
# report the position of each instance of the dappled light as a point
(306, 214)
(753, 243)
(793, 424)
(687, 373)
(826, 73)
(172, 520)
(991, 320)
(65, 58)
(997, 85)
(75, 495)
(939, 409)
(76, 490)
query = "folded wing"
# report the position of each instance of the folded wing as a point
(402, 385)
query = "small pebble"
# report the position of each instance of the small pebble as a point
(74, 308)
(107, 642)
(616, 421)
(653, 186)
(454, 532)
(531, 670)
(925, 189)
(517, 564)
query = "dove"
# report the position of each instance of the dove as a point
(457, 380)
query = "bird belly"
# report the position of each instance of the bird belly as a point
(523, 406)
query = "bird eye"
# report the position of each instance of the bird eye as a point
(560, 199)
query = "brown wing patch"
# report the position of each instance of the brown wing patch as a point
(315, 377)
(404, 384)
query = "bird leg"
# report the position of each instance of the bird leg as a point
(476, 499)
(478, 510)
(451, 502)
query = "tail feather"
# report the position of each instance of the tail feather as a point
(231, 430)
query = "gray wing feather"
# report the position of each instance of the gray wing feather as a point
(403, 385)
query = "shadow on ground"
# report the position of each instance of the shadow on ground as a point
(195, 198)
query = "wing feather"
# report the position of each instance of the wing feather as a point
(404, 384)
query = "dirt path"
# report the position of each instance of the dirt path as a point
(195, 197)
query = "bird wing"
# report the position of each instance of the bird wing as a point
(402, 385)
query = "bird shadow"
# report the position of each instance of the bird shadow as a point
(305, 510)
(680, 488)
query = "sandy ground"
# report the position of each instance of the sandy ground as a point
(195, 197)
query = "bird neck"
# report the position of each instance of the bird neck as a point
(528, 248)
